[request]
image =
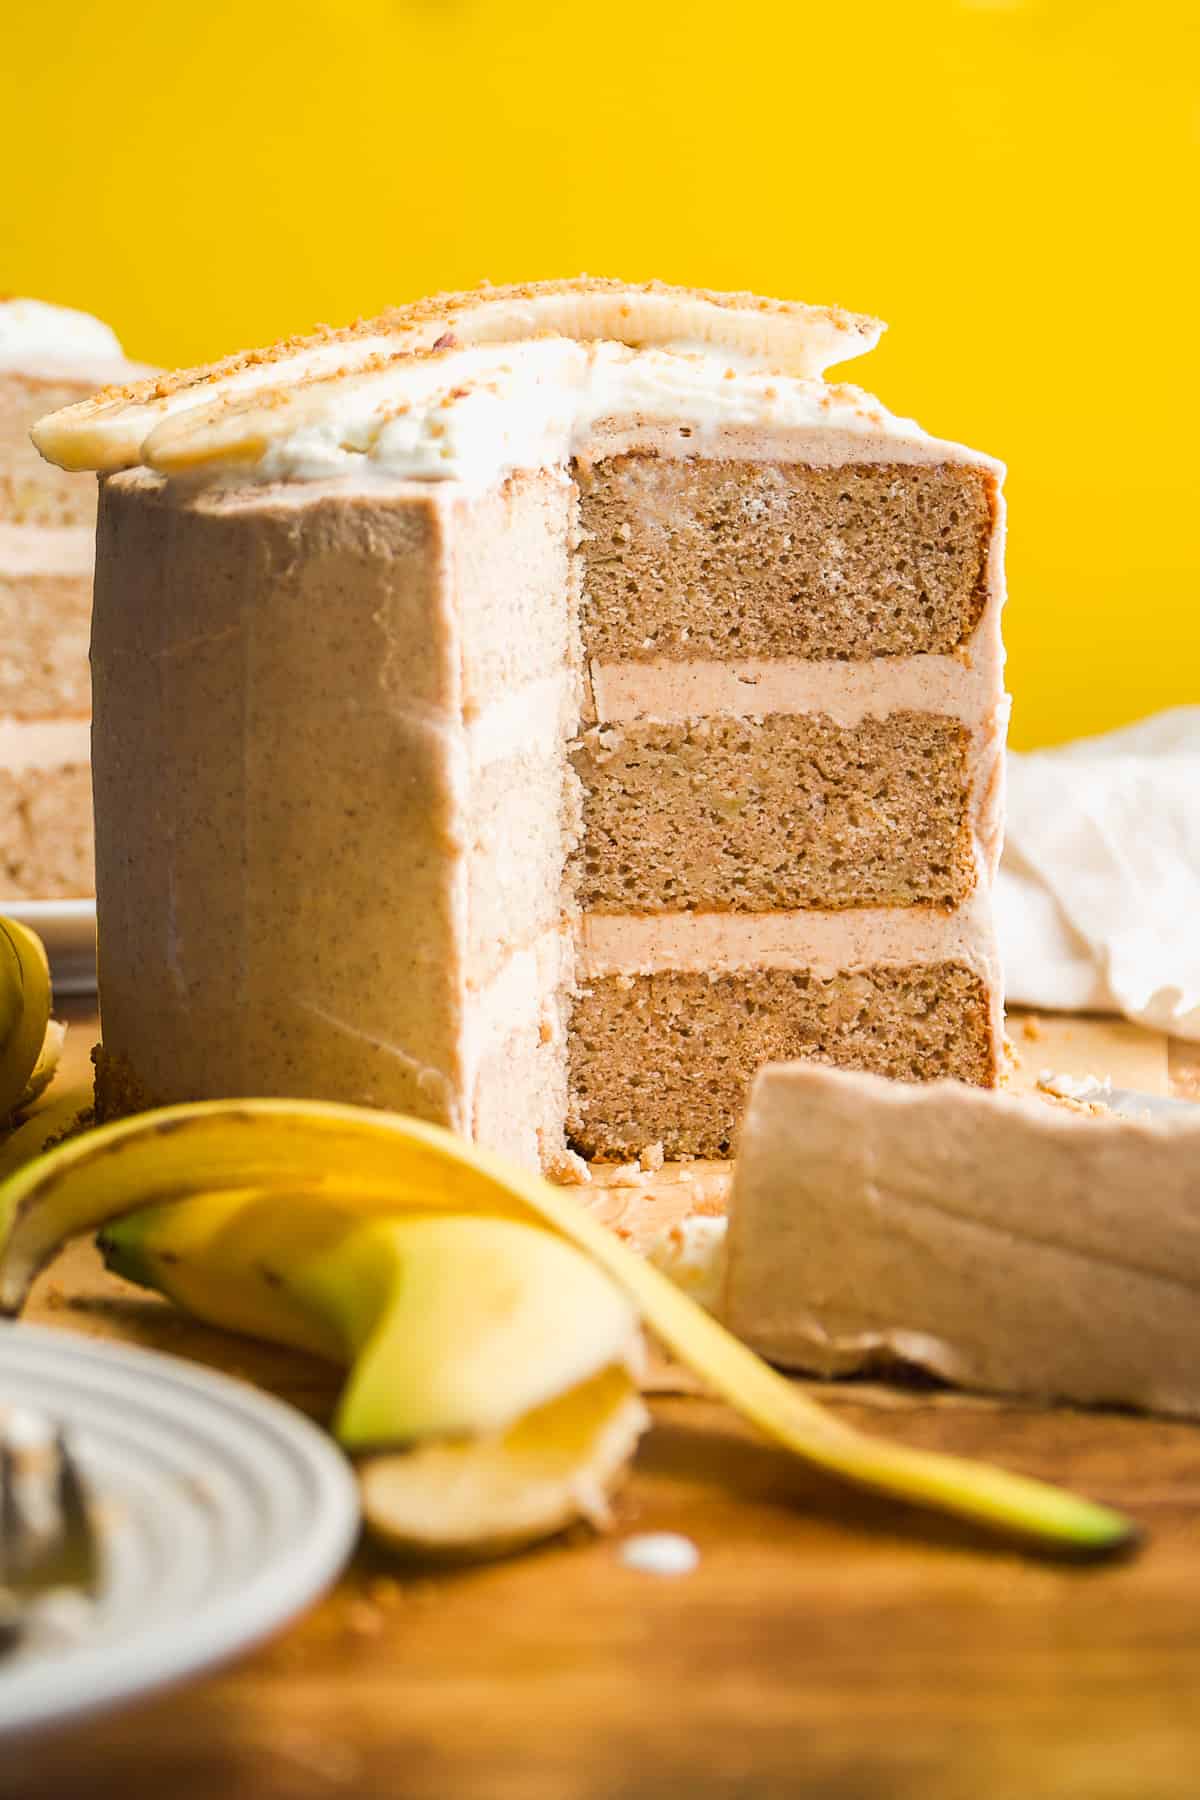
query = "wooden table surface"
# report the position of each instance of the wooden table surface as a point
(826, 1645)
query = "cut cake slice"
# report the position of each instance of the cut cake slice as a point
(1000, 1242)
(534, 710)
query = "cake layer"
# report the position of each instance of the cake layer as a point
(45, 621)
(45, 827)
(670, 1056)
(739, 559)
(778, 812)
(33, 492)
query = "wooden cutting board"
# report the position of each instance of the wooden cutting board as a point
(827, 1647)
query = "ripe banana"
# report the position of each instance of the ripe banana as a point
(372, 1164)
(454, 1326)
(24, 1017)
(501, 1358)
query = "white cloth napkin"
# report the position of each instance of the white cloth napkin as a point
(1098, 896)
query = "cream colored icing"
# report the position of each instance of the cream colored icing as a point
(483, 413)
(846, 692)
(47, 549)
(828, 942)
(517, 995)
(44, 743)
(535, 718)
(38, 338)
(1001, 1242)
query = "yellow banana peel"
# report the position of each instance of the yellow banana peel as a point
(496, 1361)
(25, 1046)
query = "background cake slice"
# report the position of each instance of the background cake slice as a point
(536, 710)
(50, 356)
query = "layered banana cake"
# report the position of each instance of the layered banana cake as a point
(50, 356)
(534, 710)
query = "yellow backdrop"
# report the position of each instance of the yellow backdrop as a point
(1011, 183)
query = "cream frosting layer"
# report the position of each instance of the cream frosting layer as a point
(846, 692)
(47, 550)
(38, 338)
(826, 942)
(496, 410)
(523, 993)
(537, 718)
(1001, 1242)
(44, 743)
(532, 406)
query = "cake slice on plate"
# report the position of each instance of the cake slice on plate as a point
(50, 356)
(534, 710)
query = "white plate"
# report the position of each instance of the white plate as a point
(223, 1511)
(68, 930)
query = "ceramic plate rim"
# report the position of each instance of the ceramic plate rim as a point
(170, 1650)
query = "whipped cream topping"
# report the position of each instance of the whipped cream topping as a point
(490, 412)
(36, 335)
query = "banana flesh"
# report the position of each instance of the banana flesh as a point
(113, 430)
(490, 1496)
(374, 1165)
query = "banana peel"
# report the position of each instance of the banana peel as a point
(27, 1050)
(500, 1359)
(373, 1164)
(452, 1326)
(65, 1113)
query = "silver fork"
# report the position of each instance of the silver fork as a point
(47, 1541)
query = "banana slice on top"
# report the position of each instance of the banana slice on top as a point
(784, 337)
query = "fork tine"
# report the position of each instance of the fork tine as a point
(46, 1535)
(78, 1557)
(12, 1530)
